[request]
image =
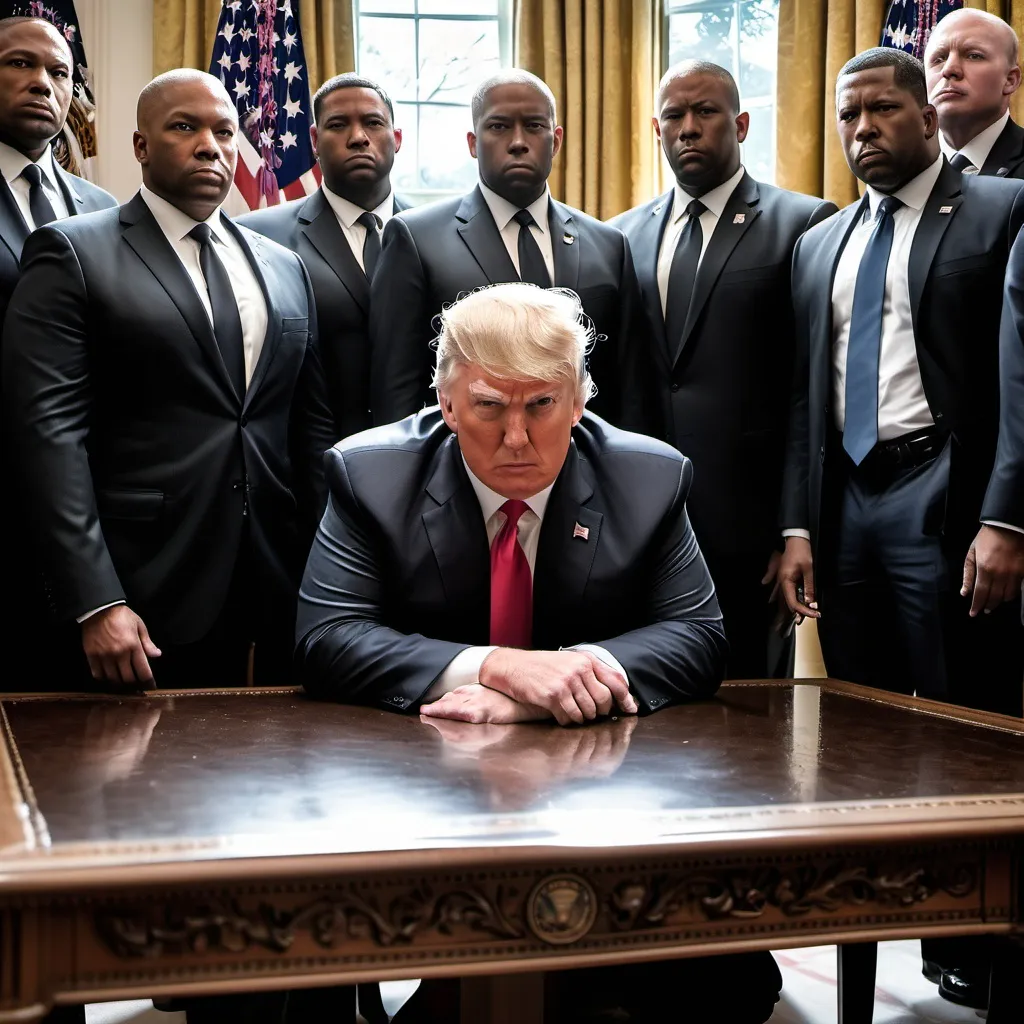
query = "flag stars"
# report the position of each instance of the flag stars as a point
(291, 71)
(228, 33)
(225, 61)
(288, 139)
(292, 108)
(290, 39)
(240, 89)
(235, 6)
(266, 138)
(243, 62)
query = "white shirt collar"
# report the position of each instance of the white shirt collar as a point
(491, 501)
(348, 213)
(978, 149)
(916, 191)
(715, 200)
(176, 224)
(12, 163)
(503, 211)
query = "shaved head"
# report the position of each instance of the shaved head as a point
(513, 76)
(967, 19)
(164, 88)
(685, 68)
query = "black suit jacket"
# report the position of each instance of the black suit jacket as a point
(1006, 158)
(309, 228)
(398, 580)
(957, 263)
(434, 253)
(725, 392)
(137, 458)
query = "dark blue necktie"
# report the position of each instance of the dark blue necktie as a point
(860, 433)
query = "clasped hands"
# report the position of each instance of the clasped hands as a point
(572, 687)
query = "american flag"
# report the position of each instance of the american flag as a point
(258, 56)
(909, 23)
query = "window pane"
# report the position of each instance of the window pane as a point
(459, 7)
(404, 174)
(705, 36)
(445, 162)
(454, 57)
(759, 28)
(387, 53)
(386, 6)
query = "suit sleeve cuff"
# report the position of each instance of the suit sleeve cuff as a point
(462, 670)
(96, 611)
(1004, 526)
(803, 534)
(607, 657)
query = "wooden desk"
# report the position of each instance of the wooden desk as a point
(224, 840)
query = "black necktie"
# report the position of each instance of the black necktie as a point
(38, 204)
(227, 325)
(371, 243)
(532, 267)
(682, 275)
(960, 163)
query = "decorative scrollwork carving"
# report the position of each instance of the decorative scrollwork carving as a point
(749, 893)
(227, 927)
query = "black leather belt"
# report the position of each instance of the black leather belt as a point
(905, 452)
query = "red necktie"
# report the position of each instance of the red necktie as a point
(511, 583)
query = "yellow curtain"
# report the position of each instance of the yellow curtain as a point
(183, 33)
(600, 59)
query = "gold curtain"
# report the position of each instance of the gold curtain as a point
(600, 58)
(183, 33)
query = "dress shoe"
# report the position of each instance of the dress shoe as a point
(965, 988)
(931, 970)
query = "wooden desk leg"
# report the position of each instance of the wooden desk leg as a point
(503, 999)
(1004, 998)
(855, 971)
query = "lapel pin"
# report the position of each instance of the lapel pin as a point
(1002, 172)
(658, 209)
(583, 532)
(568, 239)
(739, 218)
(945, 209)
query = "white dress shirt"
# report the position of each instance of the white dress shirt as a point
(715, 201)
(978, 149)
(464, 668)
(12, 163)
(503, 212)
(252, 307)
(348, 215)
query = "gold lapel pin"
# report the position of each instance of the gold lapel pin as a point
(568, 239)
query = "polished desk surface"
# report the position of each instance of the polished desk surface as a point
(198, 778)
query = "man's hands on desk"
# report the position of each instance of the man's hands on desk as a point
(572, 687)
(118, 648)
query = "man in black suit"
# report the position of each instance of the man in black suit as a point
(713, 260)
(971, 64)
(508, 228)
(508, 557)
(166, 404)
(35, 93)
(894, 424)
(337, 231)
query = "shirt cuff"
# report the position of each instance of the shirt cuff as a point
(462, 670)
(96, 611)
(599, 652)
(1005, 526)
(803, 534)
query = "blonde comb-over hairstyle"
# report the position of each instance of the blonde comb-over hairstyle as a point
(518, 332)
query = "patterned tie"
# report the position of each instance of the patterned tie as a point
(532, 267)
(682, 275)
(860, 433)
(960, 163)
(371, 243)
(38, 203)
(227, 324)
(511, 583)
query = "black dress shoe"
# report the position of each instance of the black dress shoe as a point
(965, 988)
(931, 970)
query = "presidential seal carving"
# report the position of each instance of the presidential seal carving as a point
(561, 909)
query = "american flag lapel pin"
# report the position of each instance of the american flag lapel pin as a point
(739, 218)
(568, 239)
(583, 532)
(945, 209)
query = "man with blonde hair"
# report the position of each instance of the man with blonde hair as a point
(510, 557)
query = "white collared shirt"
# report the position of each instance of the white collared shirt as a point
(464, 668)
(902, 404)
(12, 163)
(503, 213)
(978, 149)
(348, 215)
(252, 306)
(715, 201)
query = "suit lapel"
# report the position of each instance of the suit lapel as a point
(565, 245)
(478, 230)
(740, 212)
(144, 235)
(13, 229)
(321, 227)
(458, 537)
(72, 198)
(937, 215)
(565, 561)
(1007, 152)
(646, 247)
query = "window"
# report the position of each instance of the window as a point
(430, 55)
(740, 35)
